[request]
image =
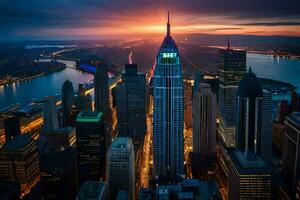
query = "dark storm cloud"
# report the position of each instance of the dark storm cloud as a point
(18, 15)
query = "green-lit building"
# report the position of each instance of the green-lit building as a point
(91, 146)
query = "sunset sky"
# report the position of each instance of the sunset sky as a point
(96, 19)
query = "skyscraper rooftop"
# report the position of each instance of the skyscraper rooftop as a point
(249, 85)
(89, 116)
(17, 143)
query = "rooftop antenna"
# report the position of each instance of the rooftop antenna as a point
(168, 24)
(228, 43)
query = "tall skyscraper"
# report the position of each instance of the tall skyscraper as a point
(232, 70)
(249, 176)
(19, 163)
(91, 147)
(131, 104)
(102, 102)
(67, 98)
(168, 110)
(254, 117)
(291, 152)
(11, 127)
(50, 115)
(120, 167)
(265, 151)
(198, 78)
(249, 114)
(204, 120)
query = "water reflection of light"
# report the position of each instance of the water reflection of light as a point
(14, 88)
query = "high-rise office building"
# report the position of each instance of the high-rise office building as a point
(120, 167)
(92, 190)
(67, 100)
(11, 127)
(265, 150)
(198, 78)
(131, 104)
(58, 173)
(248, 174)
(291, 152)
(102, 102)
(19, 163)
(232, 70)
(91, 147)
(249, 114)
(50, 114)
(249, 177)
(204, 120)
(254, 117)
(168, 110)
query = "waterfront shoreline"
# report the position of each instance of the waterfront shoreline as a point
(24, 79)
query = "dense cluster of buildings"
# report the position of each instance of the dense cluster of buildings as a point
(92, 150)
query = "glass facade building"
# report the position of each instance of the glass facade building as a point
(168, 110)
(232, 70)
(91, 147)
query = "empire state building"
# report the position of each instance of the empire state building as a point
(168, 110)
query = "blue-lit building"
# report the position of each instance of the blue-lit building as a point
(168, 110)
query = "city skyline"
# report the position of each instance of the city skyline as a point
(110, 19)
(129, 119)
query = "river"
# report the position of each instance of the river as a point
(37, 88)
(277, 68)
(282, 69)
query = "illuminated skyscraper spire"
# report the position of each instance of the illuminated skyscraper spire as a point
(168, 25)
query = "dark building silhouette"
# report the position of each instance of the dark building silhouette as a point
(83, 101)
(131, 104)
(91, 147)
(294, 101)
(58, 174)
(102, 102)
(67, 98)
(198, 78)
(11, 127)
(50, 115)
(249, 114)
(9, 191)
(291, 152)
